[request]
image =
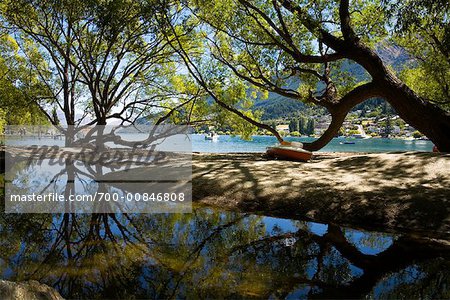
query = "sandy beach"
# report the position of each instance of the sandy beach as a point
(403, 192)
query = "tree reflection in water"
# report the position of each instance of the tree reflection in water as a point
(212, 254)
(209, 254)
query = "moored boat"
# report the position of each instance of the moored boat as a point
(212, 136)
(289, 152)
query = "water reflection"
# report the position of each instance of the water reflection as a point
(213, 254)
(69, 185)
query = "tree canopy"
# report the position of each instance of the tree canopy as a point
(207, 61)
(272, 44)
(422, 29)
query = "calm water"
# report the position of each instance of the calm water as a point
(227, 143)
(212, 254)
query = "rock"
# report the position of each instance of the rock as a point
(31, 290)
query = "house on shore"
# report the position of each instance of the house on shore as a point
(283, 128)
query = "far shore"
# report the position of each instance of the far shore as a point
(405, 138)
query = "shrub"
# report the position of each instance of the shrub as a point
(416, 134)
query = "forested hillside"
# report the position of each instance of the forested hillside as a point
(277, 107)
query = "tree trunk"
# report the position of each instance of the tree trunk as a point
(329, 134)
(339, 111)
(69, 136)
(422, 115)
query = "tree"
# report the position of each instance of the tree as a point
(270, 43)
(2, 120)
(363, 113)
(309, 130)
(416, 134)
(15, 107)
(422, 29)
(228, 92)
(294, 125)
(124, 61)
(105, 60)
(99, 61)
(45, 38)
(388, 126)
(302, 121)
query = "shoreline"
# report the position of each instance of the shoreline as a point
(406, 192)
(3, 136)
(336, 137)
(396, 192)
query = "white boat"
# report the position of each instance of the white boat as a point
(212, 136)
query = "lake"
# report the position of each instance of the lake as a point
(228, 144)
(211, 253)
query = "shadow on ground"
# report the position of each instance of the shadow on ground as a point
(407, 192)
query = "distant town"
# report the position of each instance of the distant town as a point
(358, 124)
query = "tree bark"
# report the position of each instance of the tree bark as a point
(329, 134)
(424, 116)
(420, 114)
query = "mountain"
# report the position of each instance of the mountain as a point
(279, 107)
(394, 55)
